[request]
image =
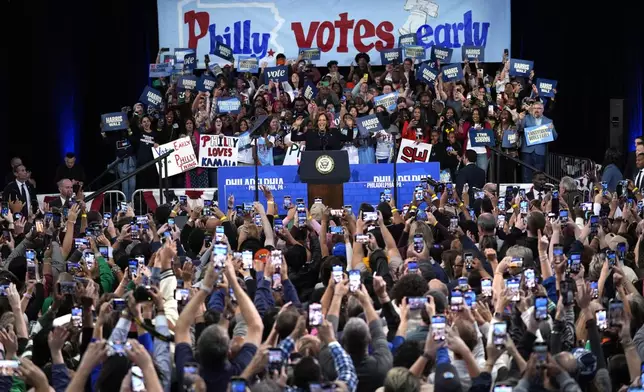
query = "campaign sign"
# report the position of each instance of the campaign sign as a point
(365, 184)
(276, 74)
(114, 121)
(206, 83)
(223, 51)
(546, 87)
(180, 54)
(293, 155)
(415, 52)
(228, 105)
(387, 100)
(442, 54)
(427, 73)
(481, 137)
(215, 69)
(217, 151)
(473, 53)
(310, 90)
(188, 82)
(369, 123)
(411, 152)
(160, 70)
(190, 61)
(538, 134)
(181, 160)
(151, 97)
(452, 72)
(510, 139)
(388, 56)
(406, 40)
(310, 53)
(520, 67)
(247, 64)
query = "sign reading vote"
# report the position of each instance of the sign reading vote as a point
(188, 82)
(473, 53)
(452, 72)
(181, 160)
(412, 152)
(218, 151)
(206, 83)
(538, 134)
(247, 64)
(481, 137)
(276, 74)
(228, 105)
(388, 56)
(190, 61)
(151, 97)
(546, 87)
(520, 67)
(310, 53)
(310, 90)
(369, 123)
(427, 73)
(442, 54)
(160, 70)
(114, 121)
(389, 101)
(415, 52)
(223, 51)
(406, 40)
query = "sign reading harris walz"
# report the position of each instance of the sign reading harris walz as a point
(339, 29)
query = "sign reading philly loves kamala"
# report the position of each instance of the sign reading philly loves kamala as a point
(339, 29)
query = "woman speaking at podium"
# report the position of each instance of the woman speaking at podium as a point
(321, 137)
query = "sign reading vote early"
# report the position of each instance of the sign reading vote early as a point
(452, 72)
(481, 137)
(369, 123)
(388, 56)
(151, 97)
(223, 51)
(181, 160)
(539, 134)
(473, 53)
(427, 73)
(188, 82)
(276, 74)
(442, 54)
(310, 53)
(546, 87)
(520, 67)
(206, 83)
(228, 105)
(114, 121)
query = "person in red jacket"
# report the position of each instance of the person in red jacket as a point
(416, 129)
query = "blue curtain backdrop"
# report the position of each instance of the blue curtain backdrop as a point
(79, 59)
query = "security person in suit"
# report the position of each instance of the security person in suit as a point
(21, 189)
(470, 174)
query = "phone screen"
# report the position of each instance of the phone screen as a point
(247, 259)
(456, 301)
(499, 334)
(438, 327)
(530, 280)
(337, 273)
(594, 289)
(486, 287)
(541, 308)
(513, 286)
(354, 280)
(138, 384)
(523, 207)
(602, 321)
(419, 243)
(77, 317)
(315, 315)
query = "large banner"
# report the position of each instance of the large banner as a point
(364, 186)
(339, 29)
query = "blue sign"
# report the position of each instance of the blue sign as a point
(369, 124)
(510, 139)
(247, 64)
(206, 83)
(114, 121)
(388, 56)
(520, 67)
(415, 52)
(546, 87)
(473, 53)
(389, 101)
(190, 61)
(481, 137)
(441, 53)
(406, 40)
(276, 74)
(341, 29)
(160, 70)
(452, 72)
(215, 69)
(539, 134)
(310, 90)
(180, 54)
(223, 51)
(427, 73)
(228, 105)
(187, 82)
(151, 97)
(364, 186)
(310, 53)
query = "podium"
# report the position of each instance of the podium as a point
(325, 172)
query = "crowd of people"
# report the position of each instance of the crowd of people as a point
(464, 287)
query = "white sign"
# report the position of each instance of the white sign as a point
(411, 151)
(181, 160)
(218, 151)
(293, 155)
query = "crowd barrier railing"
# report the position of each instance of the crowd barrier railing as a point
(561, 165)
(107, 203)
(148, 199)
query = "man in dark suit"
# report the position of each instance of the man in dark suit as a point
(631, 170)
(66, 189)
(470, 174)
(21, 189)
(538, 190)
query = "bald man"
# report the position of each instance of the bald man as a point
(66, 189)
